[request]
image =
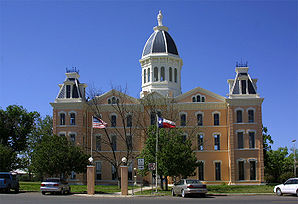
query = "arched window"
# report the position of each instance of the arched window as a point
(200, 142)
(162, 74)
(109, 101)
(239, 116)
(148, 75)
(183, 119)
(203, 99)
(193, 99)
(62, 118)
(144, 76)
(175, 75)
(113, 100)
(155, 74)
(113, 121)
(198, 98)
(170, 74)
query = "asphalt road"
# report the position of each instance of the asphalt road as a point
(24, 198)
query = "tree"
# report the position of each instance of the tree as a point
(267, 140)
(128, 112)
(56, 156)
(16, 123)
(278, 164)
(43, 126)
(175, 156)
(8, 158)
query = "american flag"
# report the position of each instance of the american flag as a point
(98, 123)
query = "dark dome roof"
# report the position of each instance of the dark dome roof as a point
(160, 42)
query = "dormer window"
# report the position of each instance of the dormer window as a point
(68, 91)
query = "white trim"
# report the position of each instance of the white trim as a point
(251, 130)
(63, 132)
(241, 159)
(216, 112)
(62, 112)
(239, 108)
(70, 112)
(199, 112)
(252, 159)
(240, 130)
(217, 161)
(250, 108)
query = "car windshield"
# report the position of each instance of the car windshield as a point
(52, 180)
(4, 176)
(193, 182)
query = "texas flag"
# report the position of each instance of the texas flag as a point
(164, 123)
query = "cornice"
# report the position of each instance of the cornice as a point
(244, 101)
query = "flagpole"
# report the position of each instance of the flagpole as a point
(91, 136)
(156, 150)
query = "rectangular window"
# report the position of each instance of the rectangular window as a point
(251, 140)
(240, 140)
(252, 170)
(114, 142)
(251, 116)
(62, 118)
(129, 121)
(241, 170)
(200, 119)
(98, 167)
(72, 138)
(216, 119)
(216, 142)
(153, 118)
(200, 142)
(182, 120)
(72, 119)
(144, 76)
(114, 176)
(98, 143)
(217, 171)
(243, 86)
(148, 74)
(201, 171)
(67, 91)
(239, 116)
(113, 121)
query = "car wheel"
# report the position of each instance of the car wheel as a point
(297, 192)
(173, 193)
(43, 193)
(183, 194)
(278, 192)
(203, 195)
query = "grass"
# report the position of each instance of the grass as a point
(35, 187)
(213, 189)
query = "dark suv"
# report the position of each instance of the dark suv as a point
(9, 181)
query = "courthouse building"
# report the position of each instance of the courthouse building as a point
(226, 132)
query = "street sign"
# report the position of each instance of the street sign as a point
(151, 166)
(141, 167)
(141, 162)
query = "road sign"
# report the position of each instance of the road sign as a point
(141, 162)
(141, 167)
(151, 166)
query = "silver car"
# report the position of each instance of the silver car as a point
(186, 187)
(54, 185)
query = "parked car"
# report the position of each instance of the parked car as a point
(186, 187)
(289, 187)
(9, 181)
(54, 185)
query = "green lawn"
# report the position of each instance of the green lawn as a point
(213, 189)
(34, 186)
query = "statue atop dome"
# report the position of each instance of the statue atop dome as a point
(159, 18)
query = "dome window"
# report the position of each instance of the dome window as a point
(162, 74)
(170, 74)
(175, 75)
(155, 74)
(144, 76)
(148, 74)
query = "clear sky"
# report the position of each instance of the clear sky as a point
(105, 39)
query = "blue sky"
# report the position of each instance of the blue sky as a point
(105, 39)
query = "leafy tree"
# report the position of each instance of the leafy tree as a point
(278, 165)
(8, 158)
(267, 140)
(56, 156)
(16, 123)
(175, 155)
